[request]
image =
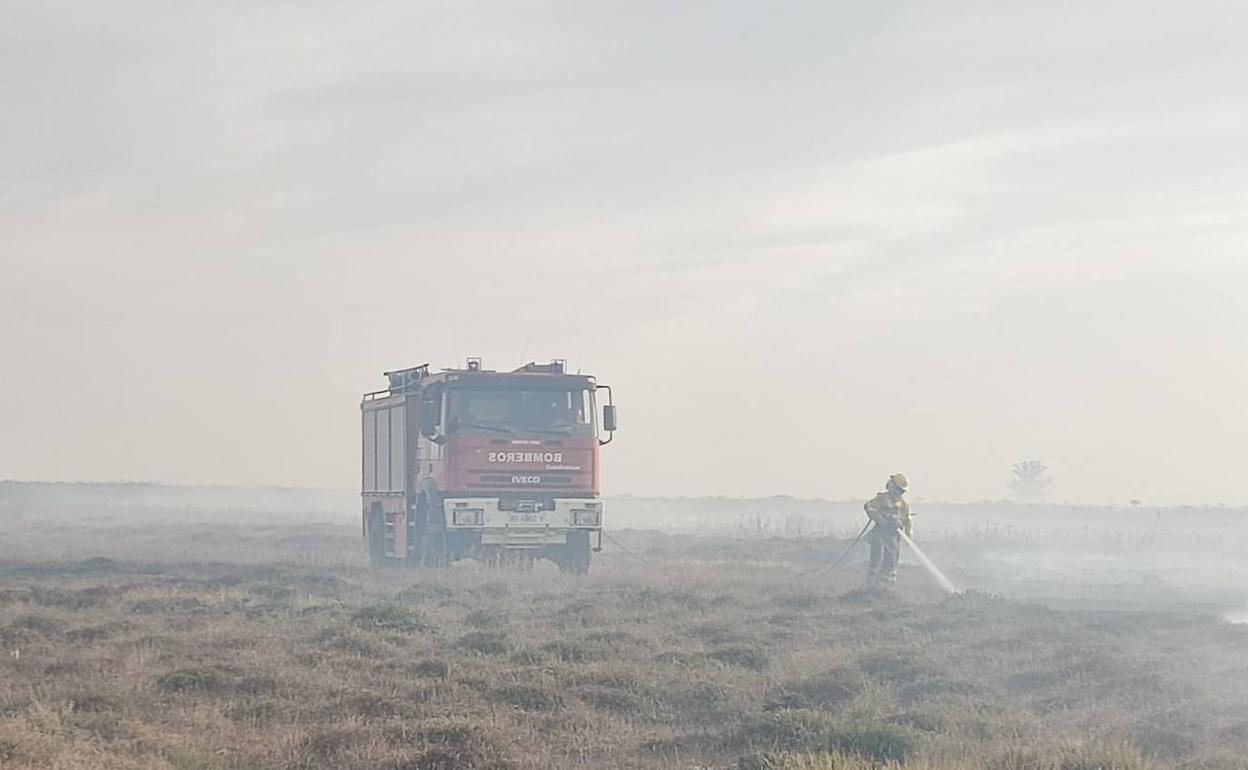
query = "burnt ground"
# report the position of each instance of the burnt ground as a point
(207, 639)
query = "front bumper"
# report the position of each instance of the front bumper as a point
(526, 526)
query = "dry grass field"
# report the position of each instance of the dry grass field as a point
(238, 643)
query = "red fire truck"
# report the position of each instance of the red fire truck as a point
(492, 465)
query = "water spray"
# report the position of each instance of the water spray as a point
(932, 569)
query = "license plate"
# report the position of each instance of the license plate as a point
(526, 517)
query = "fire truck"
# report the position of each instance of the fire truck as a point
(485, 464)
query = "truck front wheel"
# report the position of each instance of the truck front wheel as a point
(574, 555)
(433, 542)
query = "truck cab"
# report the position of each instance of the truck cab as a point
(492, 465)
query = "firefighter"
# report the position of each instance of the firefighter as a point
(890, 516)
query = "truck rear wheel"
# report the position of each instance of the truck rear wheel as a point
(376, 534)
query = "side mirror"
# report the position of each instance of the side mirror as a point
(608, 418)
(430, 414)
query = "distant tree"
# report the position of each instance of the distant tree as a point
(1031, 481)
(1136, 502)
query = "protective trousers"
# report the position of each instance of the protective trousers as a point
(885, 549)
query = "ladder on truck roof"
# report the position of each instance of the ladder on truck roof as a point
(557, 366)
(404, 380)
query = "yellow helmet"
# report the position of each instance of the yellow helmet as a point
(899, 480)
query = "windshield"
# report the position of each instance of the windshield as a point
(517, 412)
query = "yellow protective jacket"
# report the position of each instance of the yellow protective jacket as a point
(888, 511)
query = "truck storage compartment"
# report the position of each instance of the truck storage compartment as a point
(385, 449)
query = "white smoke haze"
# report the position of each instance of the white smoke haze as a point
(997, 247)
(808, 248)
(1181, 559)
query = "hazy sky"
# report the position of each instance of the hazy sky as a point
(809, 244)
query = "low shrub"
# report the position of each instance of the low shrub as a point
(1015, 758)
(803, 730)
(1038, 679)
(680, 658)
(96, 633)
(791, 729)
(93, 702)
(612, 700)
(328, 746)
(259, 713)
(425, 593)
(827, 690)
(485, 643)
(898, 667)
(783, 760)
(1169, 743)
(530, 697)
(275, 594)
(799, 601)
(582, 613)
(389, 616)
(720, 633)
(877, 742)
(219, 680)
(572, 652)
(706, 703)
(351, 642)
(1102, 757)
(10, 751)
(486, 618)
(616, 637)
(432, 669)
(936, 687)
(663, 599)
(741, 657)
(171, 605)
(456, 744)
(203, 680)
(95, 596)
(35, 625)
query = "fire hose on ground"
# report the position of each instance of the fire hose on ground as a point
(845, 555)
(941, 580)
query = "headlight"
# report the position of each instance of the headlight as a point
(582, 517)
(468, 517)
